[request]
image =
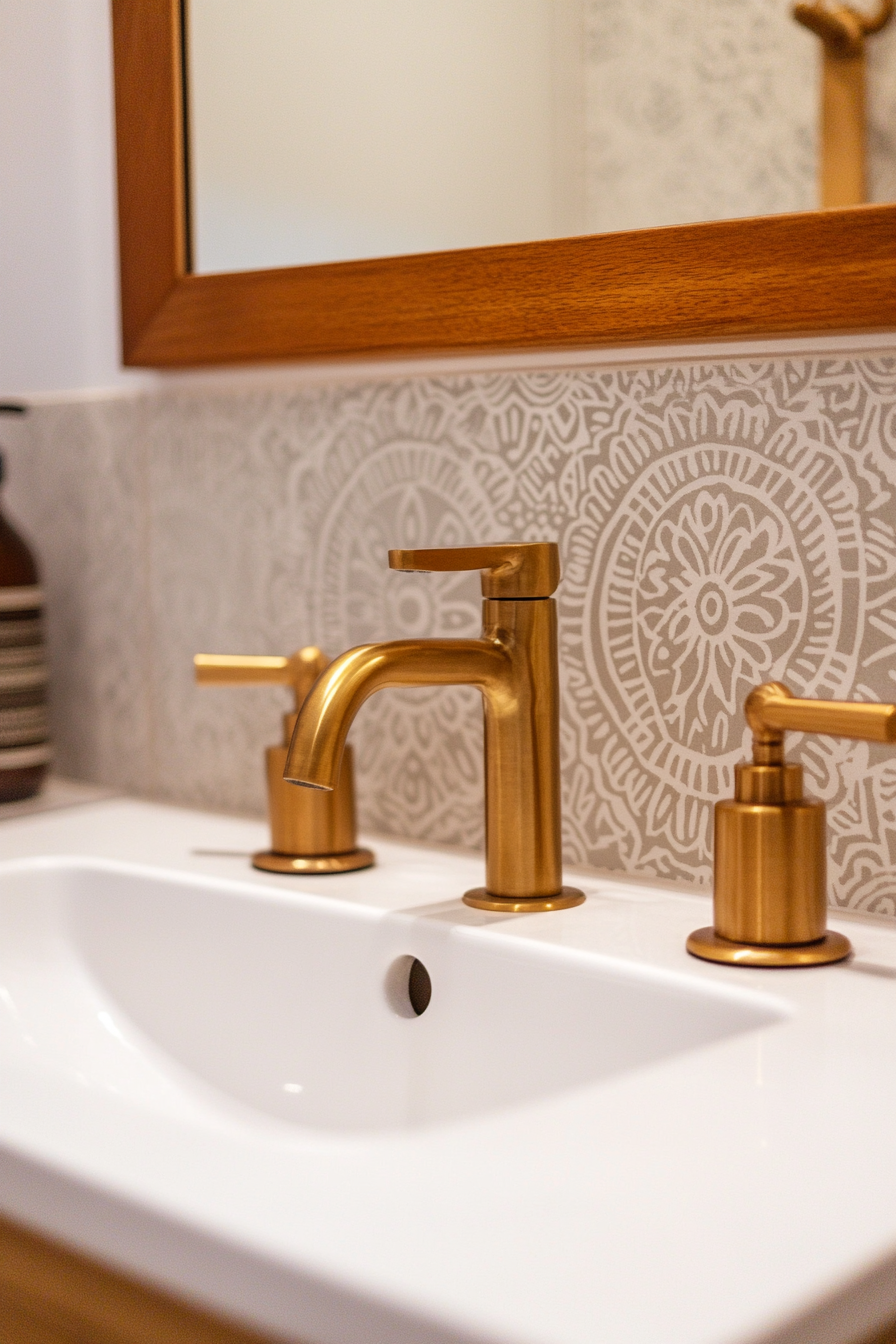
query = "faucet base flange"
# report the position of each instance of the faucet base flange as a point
(307, 864)
(565, 899)
(708, 945)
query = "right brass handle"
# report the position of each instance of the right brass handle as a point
(771, 710)
(769, 863)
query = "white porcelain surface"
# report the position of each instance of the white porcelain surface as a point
(297, 1006)
(742, 1189)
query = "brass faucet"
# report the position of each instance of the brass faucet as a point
(770, 885)
(514, 665)
(310, 833)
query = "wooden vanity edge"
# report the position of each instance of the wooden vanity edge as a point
(51, 1294)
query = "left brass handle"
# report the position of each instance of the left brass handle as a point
(310, 832)
(300, 670)
(235, 669)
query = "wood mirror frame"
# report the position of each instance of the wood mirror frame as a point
(785, 275)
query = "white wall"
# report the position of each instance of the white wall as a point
(58, 249)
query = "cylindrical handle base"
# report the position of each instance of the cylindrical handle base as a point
(770, 872)
(310, 822)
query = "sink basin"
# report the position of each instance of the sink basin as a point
(307, 1008)
(216, 1081)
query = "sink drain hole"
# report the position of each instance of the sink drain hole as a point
(419, 987)
(408, 987)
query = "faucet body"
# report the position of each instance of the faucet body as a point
(514, 665)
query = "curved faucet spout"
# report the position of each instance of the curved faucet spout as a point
(315, 753)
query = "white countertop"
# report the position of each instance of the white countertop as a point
(745, 1191)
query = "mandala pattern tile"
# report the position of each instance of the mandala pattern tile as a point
(698, 111)
(720, 524)
(711, 111)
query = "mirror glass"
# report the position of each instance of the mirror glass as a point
(326, 130)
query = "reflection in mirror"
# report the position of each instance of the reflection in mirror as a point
(324, 130)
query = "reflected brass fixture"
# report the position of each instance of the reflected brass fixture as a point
(770, 887)
(514, 665)
(310, 832)
(843, 31)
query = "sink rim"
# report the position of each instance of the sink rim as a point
(501, 929)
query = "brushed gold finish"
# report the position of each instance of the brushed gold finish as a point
(310, 832)
(843, 31)
(770, 883)
(707, 944)
(314, 823)
(514, 665)
(480, 898)
(771, 710)
(300, 670)
(508, 570)
(770, 872)
(271, 862)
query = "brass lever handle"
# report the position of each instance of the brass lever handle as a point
(770, 887)
(300, 670)
(516, 569)
(771, 710)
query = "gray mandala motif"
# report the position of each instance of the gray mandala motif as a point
(720, 524)
(723, 547)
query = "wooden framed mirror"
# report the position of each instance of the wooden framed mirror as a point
(784, 275)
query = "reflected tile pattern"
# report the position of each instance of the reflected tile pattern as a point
(711, 110)
(721, 524)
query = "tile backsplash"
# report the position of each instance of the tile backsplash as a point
(721, 523)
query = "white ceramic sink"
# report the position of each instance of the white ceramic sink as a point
(214, 1079)
(159, 987)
